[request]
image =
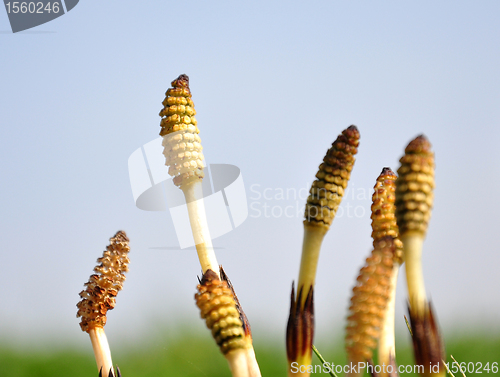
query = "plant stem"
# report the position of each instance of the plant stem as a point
(102, 352)
(412, 247)
(253, 366)
(311, 245)
(323, 361)
(386, 343)
(408, 326)
(304, 330)
(237, 360)
(196, 209)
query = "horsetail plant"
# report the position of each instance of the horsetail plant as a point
(384, 224)
(253, 366)
(223, 316)
(369, 303)
(216, 298)
(401, 208)
(324, 199)
(99, 297)
(184, 157)
(414, 200)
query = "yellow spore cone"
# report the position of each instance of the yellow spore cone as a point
(414, 198)
(414, 187)
(183, 155)
(324, 199)
(384, 224)
(181, 142)
(220, 310)
(331, 180)
(369, 301)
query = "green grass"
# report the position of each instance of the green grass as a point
(197, 355)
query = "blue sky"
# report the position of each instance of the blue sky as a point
(273, 83)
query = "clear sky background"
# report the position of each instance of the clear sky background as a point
(273, 83)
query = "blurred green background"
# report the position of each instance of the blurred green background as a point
(183, 353)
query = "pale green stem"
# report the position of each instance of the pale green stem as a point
(412, 247)
(323, 361)
(311, 245)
